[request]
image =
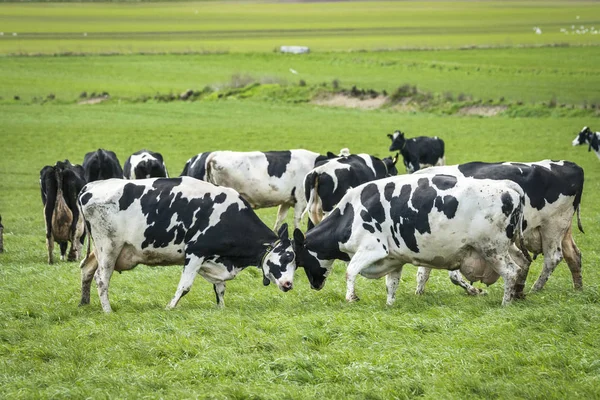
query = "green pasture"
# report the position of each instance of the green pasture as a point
(568, 75)
(265, 343)
(263, 26)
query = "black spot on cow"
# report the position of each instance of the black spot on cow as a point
(388, 191)
(507, 203)
(336, 228)
(524, 224)
(371, 201)
(85, 198)
(448, 205)
(131, 192)
(444, 182)
(277, 162)
(369, 228)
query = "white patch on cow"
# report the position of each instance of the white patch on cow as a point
(395, 135)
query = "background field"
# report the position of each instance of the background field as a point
(301, 344)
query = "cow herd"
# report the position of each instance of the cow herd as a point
(480, 221)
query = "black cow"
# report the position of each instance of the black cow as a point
(553, 191)
(101, 164)
(326, 184)
(145, 164)
(419, 152)
(211, 230)
(60, 184)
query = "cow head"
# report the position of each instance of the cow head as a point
(398, 141)
(585, 136)
(279, 262)
(316, 270)
(390, 164)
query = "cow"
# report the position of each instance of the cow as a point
(436, 220)
(553, 191)
(595, 144)
(264, 179)
(326, 184)
(60, 184)
(164, 221)
(145, 164)
(1, 236)
(418, 152)
(584, 136)
(101, 164)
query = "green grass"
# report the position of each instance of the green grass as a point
(570, 75)
(261, 27)
(265, 343)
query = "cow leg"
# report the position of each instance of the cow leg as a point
(523, 263)
(508, 270)
(63, 250)
(457, 278)
(219, 289)
(298, 210)
(422, 278)
(190, 270)
(360, 260)
(282, 212)
(88, 268)
(552, 256)
(106, 265)
(391, 282)
(50, 247)
(572, 256)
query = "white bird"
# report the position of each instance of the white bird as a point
(293, 71)
(537, 30)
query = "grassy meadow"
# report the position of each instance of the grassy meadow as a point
(266, 344)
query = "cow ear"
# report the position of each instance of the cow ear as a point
(331, 155)
(390, 136)
(283, 232)
(395, 159)
(266, 281)
(298, 237)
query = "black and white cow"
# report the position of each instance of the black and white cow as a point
(145, 164)
(553, 191)
(584, 136)
(418, 152)
(326, 184)
(101, 164)
(435, 220)
(60, 184)
(595, 144)
(164, 221)
(264, 179)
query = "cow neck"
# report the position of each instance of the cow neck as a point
(269, 249)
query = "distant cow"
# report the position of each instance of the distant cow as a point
(595, 144)
(419, 152)
(1, 236)
(145, 164)
(326, 184)
(210, 230)
(583, 137)
(60, 184)
(264, 179)
(435, 220)
(553, 191)
(101, 164)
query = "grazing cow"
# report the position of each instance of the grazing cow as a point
(553, 192)
(419, 152)
(145, 164)
(1, 236)
(326, 184)
(101, 164)
(264, 179)
(60, 185)
(584, 137)
(435, 220)
(210, 230)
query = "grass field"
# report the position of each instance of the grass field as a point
(302, 344)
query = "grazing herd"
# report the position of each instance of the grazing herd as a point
(479, 221)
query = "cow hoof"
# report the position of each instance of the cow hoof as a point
(352, 299)
(520, 296)
(419, 291)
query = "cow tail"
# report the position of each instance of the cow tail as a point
(519, 239)
(315, 213)
(579, 218)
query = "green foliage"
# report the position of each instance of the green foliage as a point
(266, 343)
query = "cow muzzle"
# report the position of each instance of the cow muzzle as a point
(285, 286)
